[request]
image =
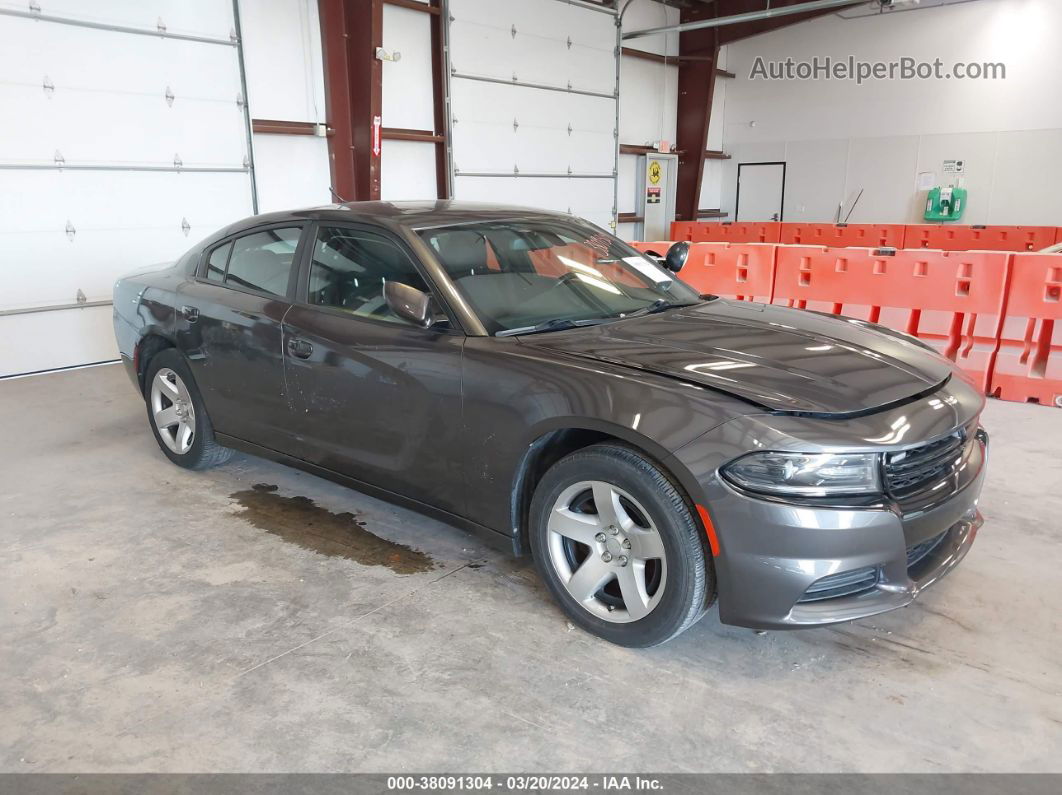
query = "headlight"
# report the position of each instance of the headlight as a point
(806, 474)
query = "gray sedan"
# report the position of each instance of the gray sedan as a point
(530, 377)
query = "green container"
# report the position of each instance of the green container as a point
(945, 204)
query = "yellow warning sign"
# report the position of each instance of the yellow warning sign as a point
(654, 171)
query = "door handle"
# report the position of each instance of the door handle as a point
(190, 313)
(299, 348)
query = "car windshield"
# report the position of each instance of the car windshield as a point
(543, 274)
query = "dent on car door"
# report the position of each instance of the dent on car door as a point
(229, 324)
(375, 397)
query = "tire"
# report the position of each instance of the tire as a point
(170, 393)
(608, 572)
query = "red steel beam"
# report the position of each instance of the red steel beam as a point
(416, 5)
(351, 30)
(667, 60)
(638, 149)
(406, 134)
(438, 79)
(364, 35)
(338, 110)
(275, 127)
(696, 87)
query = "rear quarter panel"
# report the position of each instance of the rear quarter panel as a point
(144, 305)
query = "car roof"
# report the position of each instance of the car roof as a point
(412, 214)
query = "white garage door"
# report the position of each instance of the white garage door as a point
(123, 142)
(533, 91)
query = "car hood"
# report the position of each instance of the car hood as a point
(778, 358)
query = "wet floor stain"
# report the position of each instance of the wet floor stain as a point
(300, 521)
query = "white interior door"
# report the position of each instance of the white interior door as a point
(760, 191)
(533, 105)
(119, 149)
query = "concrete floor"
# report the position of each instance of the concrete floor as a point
(150, 621)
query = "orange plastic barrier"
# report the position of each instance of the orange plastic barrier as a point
(683, 230)
(1029, 362)
(744, 271)
(982, 238)
(657, 247)
(945, 237)
(844, 234)
(952, 300)
(726, 231)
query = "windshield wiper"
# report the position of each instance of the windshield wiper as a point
(562, 323)
(659, 305)
(556, 324)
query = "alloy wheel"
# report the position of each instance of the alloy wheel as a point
(173, 411)
(606, 551)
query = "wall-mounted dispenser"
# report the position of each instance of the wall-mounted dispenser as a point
(945, 204)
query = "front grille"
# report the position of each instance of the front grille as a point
(920, 469)
(917, 553)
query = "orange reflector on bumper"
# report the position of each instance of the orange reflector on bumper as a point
(709, 529)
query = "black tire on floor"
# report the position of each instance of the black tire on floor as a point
(204, 452)
(689, 587)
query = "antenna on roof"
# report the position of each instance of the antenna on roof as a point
(336, 195)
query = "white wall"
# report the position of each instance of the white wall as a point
(838, 137)
(648, 90)
(285, 82)
(648, 97)
(407, 168)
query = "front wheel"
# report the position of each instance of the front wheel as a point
(619, 548)
(177, 415)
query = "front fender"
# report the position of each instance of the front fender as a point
(516, 396)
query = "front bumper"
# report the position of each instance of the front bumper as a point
(889, 593)
(772, 552)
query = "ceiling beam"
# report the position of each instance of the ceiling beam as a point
(753, 15)
(667, 60)
(744, 30)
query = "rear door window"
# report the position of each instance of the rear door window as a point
(217, 262)
(262, 261)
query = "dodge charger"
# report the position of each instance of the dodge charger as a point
(528, 376)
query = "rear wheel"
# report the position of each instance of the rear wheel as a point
(619, 548)
(177, 415)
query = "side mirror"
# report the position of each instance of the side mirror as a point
(676, 256)
(408, 303)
